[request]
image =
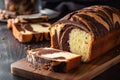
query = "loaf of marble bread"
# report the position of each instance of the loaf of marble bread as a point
(31, 32)
(89, 32)
(53, 59)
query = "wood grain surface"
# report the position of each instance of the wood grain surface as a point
(86, 71)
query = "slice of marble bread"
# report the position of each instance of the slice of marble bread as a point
(31, 32)
(26, 19)
(53, 59)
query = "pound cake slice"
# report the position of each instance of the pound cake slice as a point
(28, 32)
(26, 19)
(89, 32)
(53, 59)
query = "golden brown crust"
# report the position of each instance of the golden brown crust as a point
(19, 36)
(11, 22)
(105, 43)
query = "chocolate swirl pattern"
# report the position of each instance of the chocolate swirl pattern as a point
(53, 59)
(89, 32)
(34, 32)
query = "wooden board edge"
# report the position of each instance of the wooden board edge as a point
(86, 76)
(100, 69)
(17, 71)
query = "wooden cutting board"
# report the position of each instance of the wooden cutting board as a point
(85, 71)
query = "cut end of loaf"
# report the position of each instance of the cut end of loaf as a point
(79, 42)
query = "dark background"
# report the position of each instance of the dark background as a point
(66, 6)
(11, 50)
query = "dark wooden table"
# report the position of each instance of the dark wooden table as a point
(11, 50)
